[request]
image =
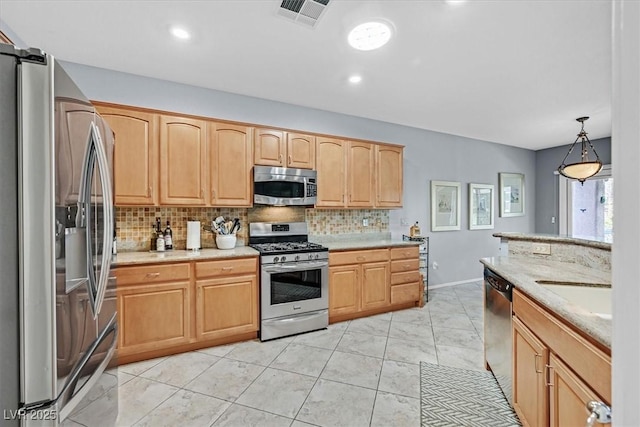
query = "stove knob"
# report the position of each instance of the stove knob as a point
(310, 256)
(283, 259)
(317, 256)
(275, 259)
(297, 258)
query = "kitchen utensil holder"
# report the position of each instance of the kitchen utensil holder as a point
(226, 241)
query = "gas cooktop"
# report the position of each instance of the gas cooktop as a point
(287, 247)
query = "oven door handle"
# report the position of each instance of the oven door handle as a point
(295, 267)
(298, 317)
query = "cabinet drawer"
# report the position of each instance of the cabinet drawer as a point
(405, 252)
(406, 277)
(405, 293)
(405, 265)
(358, 257)
(152, 274)
(588, 361)
(226, 267)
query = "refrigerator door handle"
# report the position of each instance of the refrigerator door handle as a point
(107, 222)
(95, 154)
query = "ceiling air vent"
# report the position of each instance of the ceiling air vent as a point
(306, 12)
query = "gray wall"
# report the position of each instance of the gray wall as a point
(547, 162)
(428, 156)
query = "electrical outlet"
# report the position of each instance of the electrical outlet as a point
(435, 265)
(403, 221)
(553, 220)
(541, 248)
(365, 222)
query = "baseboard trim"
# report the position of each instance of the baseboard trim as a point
(461, 282)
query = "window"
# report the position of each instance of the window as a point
(586, 211)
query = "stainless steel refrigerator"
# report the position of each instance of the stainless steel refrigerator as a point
(58, 328)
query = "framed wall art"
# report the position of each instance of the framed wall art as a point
(481, 206)
(511, 194)
(445, 205)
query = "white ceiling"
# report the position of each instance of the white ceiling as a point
(514, 72)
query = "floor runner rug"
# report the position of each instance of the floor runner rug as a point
(461, 397)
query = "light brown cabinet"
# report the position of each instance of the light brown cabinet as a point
(360, 174)
(331, 163)
(388, 176)
(405, 275)
(273, 147)
(230, 163)
(358, 281)
(226, 298)
(556, 370)
(153, 307)
(183, 172)
(136, 155)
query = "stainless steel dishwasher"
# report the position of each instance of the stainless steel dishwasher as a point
(498, 342)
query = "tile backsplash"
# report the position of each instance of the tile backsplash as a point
(346, 221)
(133, 224)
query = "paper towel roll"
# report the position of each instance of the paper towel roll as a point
(193, 235)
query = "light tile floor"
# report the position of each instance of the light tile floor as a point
(364, 372)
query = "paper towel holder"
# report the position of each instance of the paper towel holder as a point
(193, 236)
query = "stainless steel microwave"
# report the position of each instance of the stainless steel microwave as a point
(284, 186)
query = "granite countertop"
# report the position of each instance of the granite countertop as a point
(552, 238)
(134, 258)
(523, 272)
(343, 245)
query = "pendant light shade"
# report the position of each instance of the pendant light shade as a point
(584, 168)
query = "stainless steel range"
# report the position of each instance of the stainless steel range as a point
(294, 280)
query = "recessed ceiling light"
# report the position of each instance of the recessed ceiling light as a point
(180, 33)
(455, 2)
(355, 79)
(369, 36)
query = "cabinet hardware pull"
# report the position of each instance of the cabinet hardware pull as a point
(535, 362)
(152, 275)
(289, 159)
(280, 158)
(361, 258)
(407, 266)
(202, 193)
(213, 194)
(148, 191)
(548, 374)
(227, 268)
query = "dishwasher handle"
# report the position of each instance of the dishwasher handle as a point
(496, 282)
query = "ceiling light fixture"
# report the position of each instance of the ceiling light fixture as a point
(585, 168)
(180, 33)
(369, 36)
(355, 79)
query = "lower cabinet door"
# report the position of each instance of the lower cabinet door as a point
(153, 317)
(530, 399)
(344, 289)
(568, 396)
(226, 306)
(376, 288)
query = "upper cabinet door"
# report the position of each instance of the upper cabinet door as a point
(331, 165)
(301, 151)
(269, 147)
(230, 161)
(388, 176)
(360, 174)
(136, 155)
(182, 161)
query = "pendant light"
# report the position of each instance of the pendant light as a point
(585, 168)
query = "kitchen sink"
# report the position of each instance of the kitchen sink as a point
(593, 297)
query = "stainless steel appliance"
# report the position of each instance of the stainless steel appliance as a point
(498, 341)
(58, 306)
(294, 279)
(284, 186)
